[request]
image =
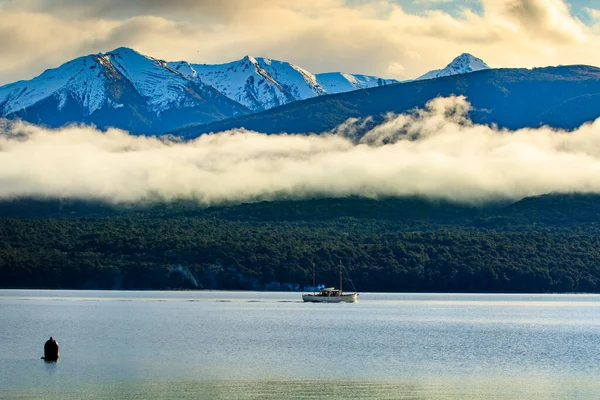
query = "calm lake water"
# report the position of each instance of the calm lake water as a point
(257, 345)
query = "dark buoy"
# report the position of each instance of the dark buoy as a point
(51, 350)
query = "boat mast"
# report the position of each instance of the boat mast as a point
(340, 277)
(314, 279)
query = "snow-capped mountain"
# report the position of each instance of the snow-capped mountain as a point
(262, 83)
(125, 89)
(121, 88)
(462, 64)
(257, 83)
(338, 82)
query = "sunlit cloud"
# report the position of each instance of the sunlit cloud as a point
(377, 37)
(594, 13)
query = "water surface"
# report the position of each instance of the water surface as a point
(261, 345)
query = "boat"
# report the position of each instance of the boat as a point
(330, 295)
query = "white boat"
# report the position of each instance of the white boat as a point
(330, 295)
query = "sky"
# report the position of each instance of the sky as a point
(399, 39)
(445, 156)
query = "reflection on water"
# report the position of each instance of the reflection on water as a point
(251, 345)
(317, 389)
(50, 366)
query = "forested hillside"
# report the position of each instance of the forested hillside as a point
(542, 244)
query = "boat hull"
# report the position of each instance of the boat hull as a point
(346, 298)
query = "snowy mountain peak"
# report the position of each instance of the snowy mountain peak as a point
(79, 78)
(152, 78)
(98, 86)
(118, 88)
(248, 81)
(261, 83)
(249, 59)
(127, 55)
(125, 50)
(462, 64)
(466, 63)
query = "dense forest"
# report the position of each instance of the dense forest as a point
(540, 244)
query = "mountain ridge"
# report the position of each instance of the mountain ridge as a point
(162, 96)
(261, 83)
(510, 98)
(121, 88)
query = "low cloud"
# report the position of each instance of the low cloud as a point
(436, 152)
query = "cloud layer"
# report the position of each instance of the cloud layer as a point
(374, 37)
(437, 152)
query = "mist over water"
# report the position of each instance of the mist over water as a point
(436, 152)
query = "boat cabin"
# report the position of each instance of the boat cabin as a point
(329, 292)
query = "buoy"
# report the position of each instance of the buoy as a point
(51, 350)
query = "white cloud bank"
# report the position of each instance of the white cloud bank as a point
(437, 152)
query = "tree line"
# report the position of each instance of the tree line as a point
(273, 246)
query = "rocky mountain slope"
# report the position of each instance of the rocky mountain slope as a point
(125, 89)
(121, 88)
(562, 97)
(262, 83)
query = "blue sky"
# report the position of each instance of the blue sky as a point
(455, 6)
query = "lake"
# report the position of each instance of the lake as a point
(267, 345)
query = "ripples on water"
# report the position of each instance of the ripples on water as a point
(248, 345)
(315, 390)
